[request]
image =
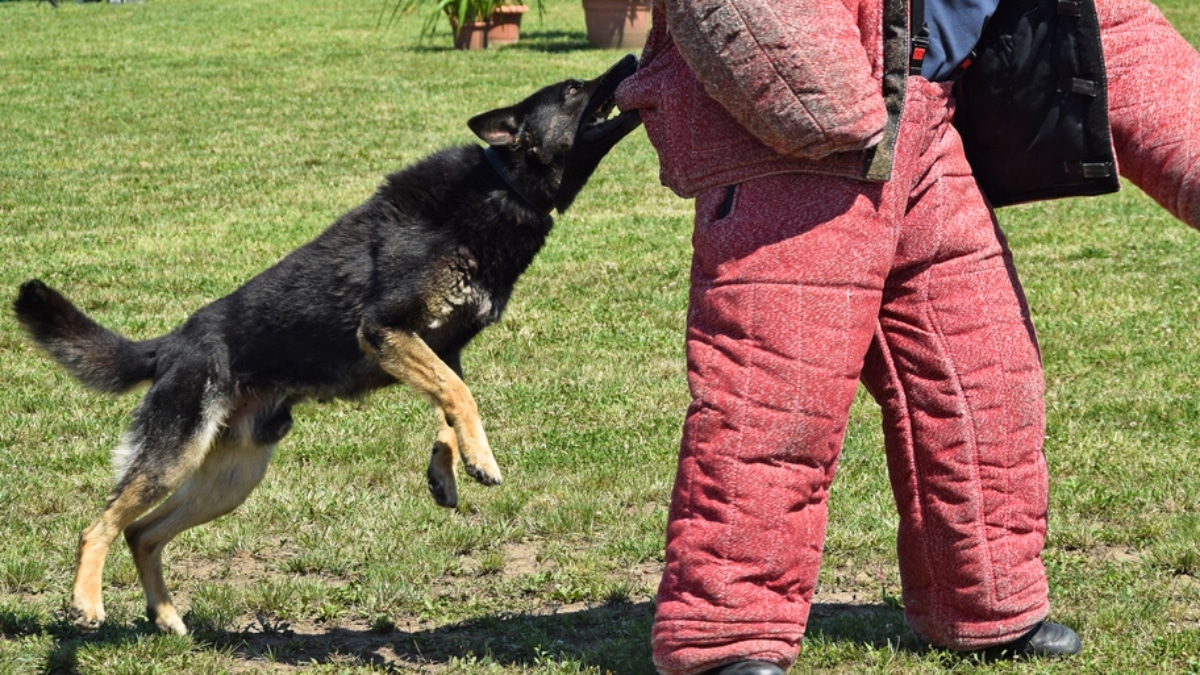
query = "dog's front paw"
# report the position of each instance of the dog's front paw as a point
(440, 474)
(477, 457)
(487, 475)
(444, 492)
(441, 496)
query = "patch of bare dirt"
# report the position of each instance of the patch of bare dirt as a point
(1117, 554)
(521, 559)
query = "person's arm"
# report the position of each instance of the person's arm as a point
(1154, 104)
(794, 73)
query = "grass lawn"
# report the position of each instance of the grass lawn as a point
(156, 155)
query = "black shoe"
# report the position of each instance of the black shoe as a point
(747, 668)
(1045, 640)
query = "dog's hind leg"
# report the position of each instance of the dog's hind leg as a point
(172, 429)
(443, 484)
(231, 470)
(405, 356)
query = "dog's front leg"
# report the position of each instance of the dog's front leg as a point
(405, 356)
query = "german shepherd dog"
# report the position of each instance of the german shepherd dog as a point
(392, 291)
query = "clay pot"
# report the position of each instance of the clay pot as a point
(506, 25)
(471, 35)
(617, 24)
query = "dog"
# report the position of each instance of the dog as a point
(391, 292)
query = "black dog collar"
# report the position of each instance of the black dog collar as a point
(494, 159)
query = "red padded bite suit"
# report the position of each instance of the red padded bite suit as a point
(806, 280)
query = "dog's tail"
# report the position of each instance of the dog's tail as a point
(94, 355)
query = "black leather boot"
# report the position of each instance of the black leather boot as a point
(1045, 640)
(747, 668)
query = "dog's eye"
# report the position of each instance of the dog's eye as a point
(574, 88)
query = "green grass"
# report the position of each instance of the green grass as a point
(156, 155)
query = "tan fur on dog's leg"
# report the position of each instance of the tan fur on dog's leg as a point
(443, 483)
(227, 476)
(132, 500)
(87, 604)
(145, 476)
(405, 356)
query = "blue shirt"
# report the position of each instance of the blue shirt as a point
(954, 29)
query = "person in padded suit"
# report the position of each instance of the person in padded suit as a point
(841, 235)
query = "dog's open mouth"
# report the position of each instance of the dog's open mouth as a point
(602, 116)
(598, 119)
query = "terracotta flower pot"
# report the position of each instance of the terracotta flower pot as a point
(506, 25)
(471, 35)
(617, 24)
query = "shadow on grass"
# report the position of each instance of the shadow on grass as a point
(545, 41)
(874, 626)
(612, 638)
(62, 657)
(554, 41)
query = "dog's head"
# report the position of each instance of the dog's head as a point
(553, 140)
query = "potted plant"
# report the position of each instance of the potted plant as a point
(476, 24)
(617, 24)
(468, 21)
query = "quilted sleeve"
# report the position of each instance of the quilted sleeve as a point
(794, 73)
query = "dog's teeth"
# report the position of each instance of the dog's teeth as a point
(603, 113)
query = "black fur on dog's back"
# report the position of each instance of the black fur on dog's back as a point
(307, 308)
(454, 222)
(373, 267)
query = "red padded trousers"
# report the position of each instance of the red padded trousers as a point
(802, 284)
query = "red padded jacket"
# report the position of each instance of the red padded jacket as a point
(793, 86)
(817, 86)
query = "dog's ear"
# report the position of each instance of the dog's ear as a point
(498, 127)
